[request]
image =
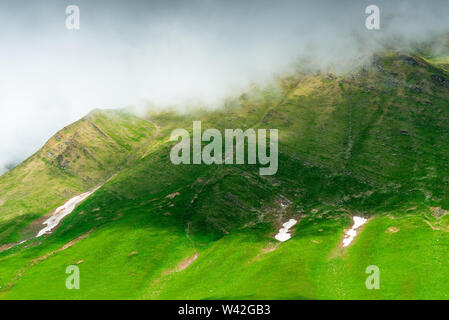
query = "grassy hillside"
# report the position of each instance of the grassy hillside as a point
(78, 157)
(372, 143)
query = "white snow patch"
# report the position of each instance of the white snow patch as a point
(283, 234)
(63, 211)
(351, 233)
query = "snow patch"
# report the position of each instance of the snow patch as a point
(64, 210)
(351, 233)
(283, 234)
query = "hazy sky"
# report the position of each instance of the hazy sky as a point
(171, 52)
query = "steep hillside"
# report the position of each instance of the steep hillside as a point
(77, 158)
(372, 143)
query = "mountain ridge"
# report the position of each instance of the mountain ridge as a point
(370, 144)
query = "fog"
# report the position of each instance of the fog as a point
(173, 53)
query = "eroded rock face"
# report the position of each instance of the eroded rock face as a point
(438, 212)
(393, 229)
(440, 80)
(409, 60)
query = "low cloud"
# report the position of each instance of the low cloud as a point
(173, 53)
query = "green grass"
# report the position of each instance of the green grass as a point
(371, 143)
(311, 265)
(77, 158)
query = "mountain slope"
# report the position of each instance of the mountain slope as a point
(371, 143)
(77, 158)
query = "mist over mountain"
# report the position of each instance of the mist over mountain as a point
(350, 197)
(182, 53)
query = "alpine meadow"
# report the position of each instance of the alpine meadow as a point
(321, 181)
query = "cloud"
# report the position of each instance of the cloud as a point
(172, 52)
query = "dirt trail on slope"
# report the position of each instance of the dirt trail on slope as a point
(433, 227)
(183, 264)
(48, 255)
(187, 262)
(8, 246)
